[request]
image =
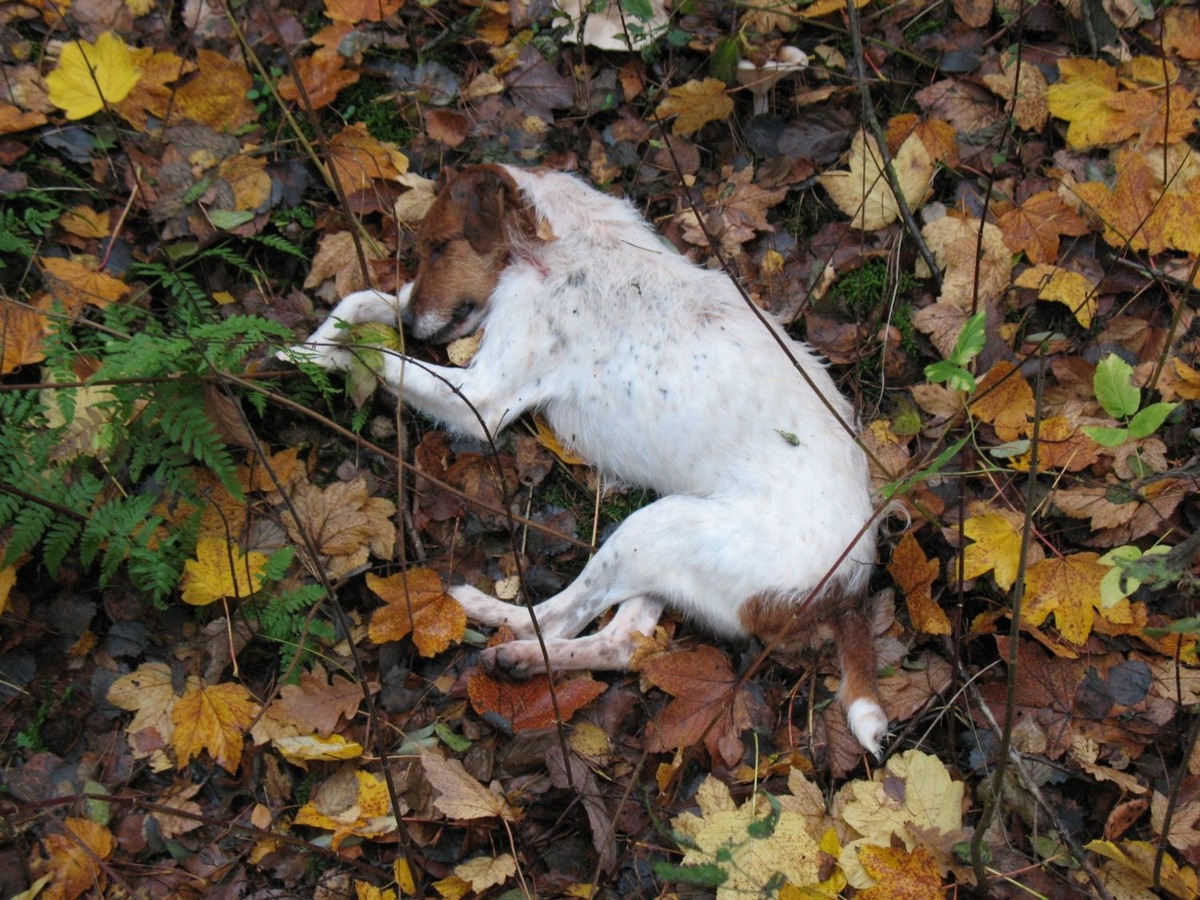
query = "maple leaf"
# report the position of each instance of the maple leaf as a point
(484, 872)
(1035, 226)
(14, 119)
(528, 704)
(695, 104)
(90, 75)
(85, 222)
(764, 840)
(74, 861)
(78, 281)
(352, 11)
(1026, 89)
(220, 570)
(303, 749)
(357, 159)
(708, 702)
(345, 524)
(1135, 866)
(912, 799)
(1181, 31)
(1130, 211)
(996, 547)
(1069, 587)
(1075, 291)
(350, 803)
(915, 574)
(313, 705)
(23, 329)
(971, 280)
(416, 602)
(216, 95)
(863, 193)
(900, 875)
(459, 795)
(1005, 401)
(213, 718)
(152, 96)
(323, 74)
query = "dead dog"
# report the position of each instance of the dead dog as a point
(657, 372)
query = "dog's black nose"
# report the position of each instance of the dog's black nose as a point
(407, 318)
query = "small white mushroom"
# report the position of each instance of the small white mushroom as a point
(761, 78)
(604, 30)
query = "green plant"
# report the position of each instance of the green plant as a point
(24, 219)
(94, 471)
(286, 615)
(1113, 383)
(967, 346)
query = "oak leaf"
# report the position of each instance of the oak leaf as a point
(708, 703)
(694, 104)
(75, 860)
(213, 718)
(90, 75)
(219, 571)
(459, 795)
(914, 573)
(1005, 401)
(863, 193)
(1069, 587)
(417, 603)
(528, 704)
(1035, 226)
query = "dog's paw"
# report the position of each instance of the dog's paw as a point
(327, 355)
(868, 723)
(516, 660)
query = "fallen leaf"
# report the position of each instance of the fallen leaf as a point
(977, 262)
(417, 603)
(322, 75)
(459, 795)
(1135, 866)
(220, 570)
(213, 718)
(694, 104)
(23, 328)
(78, 281)
(1069, 587)
(484, 872)
(900, 874)
(357, 158)
(528, 704)
(1075, 291)
(314, 706)
(863, 193)
(351, 803)
(1035, 226)
(75, 860)
(709, 703)
(914, 574)
(345, 524)
(216, 95)
(996, 547)
(88, 76)
(1026, 90)
(85, 222)
(362, 10)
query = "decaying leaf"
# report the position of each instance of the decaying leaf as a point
(863, 193)
(915, 574)
(74, 861)
(694, 104)
(528, 704)
(345, 524)
(350, 803)
(459, 795)
(417, 603)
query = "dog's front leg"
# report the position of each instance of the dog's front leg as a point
(328, 347)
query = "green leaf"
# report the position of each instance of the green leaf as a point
(1147, 421)
(1107, 437)
(957, 377)
(724, 60)
(226, 219)
(969, 342)
(639, 9)
(1114, 388)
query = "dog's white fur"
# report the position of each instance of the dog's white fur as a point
(655, 370)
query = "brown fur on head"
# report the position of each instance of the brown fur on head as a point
(463, 245)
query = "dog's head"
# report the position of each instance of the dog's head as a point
(463, 244)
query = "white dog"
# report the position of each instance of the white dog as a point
(656, 371)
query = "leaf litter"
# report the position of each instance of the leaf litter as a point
(281, 707)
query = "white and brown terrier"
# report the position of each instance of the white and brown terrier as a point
(656, 371)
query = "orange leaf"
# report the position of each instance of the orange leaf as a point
(695, 104)
(1005, 401)
(914, 573)
(362, 10)
(1130, 210)
(85, 222)
(527, 704)
(416, 602)
(212, 718)
(78, 281)
(151, 96)
(1036, 224)
(323, 74)
(900, 874)
(1069, 587)
(74, 860)
(14, 119)
(708, 703)
(216, 95)
(21, 332)
(357, 159)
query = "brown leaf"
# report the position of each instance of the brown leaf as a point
(79, 281)
(217, 95)
(75, 860)
(345, 524)
(1028, 94)
(915, 574)
(357, 159)
(708, 703)
(362, 10)
(459, 795)
(695, 104)
(323, 74)
(527, 704)
(1005, 401)
(314, 706)
(416, 602)
(1036, 224)
(22, 329)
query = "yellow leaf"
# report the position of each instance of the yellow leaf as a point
(350, 803)
(216, 96)
(1136, 866)
(220, 570)
(212, 718)
(484, 872)
(996, 548)
(416, 602)
(1005, 401)
(8, 578)
(300, 749)
(79, 281)
(90, 75)
(695, 104)
(85, 222)
(898, 873)
(863, 192)
(1069, 587)
(1075, 291)
(75, 860)
(1080, 97)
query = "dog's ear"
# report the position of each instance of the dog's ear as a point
(492, 208)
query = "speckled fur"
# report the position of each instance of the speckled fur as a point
(655, 370)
